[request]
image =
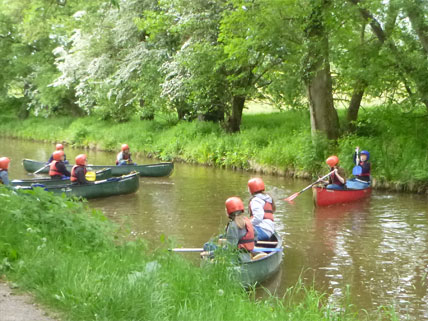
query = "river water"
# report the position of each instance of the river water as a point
(375, 250)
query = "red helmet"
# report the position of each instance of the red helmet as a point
(4, 163)
(124, 147)
(80, 159)
(256, 185)
(332, 161)
(57, 155)
(234, 204)
(59, 147)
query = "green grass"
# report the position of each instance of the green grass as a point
(77, 265)
(278, 142)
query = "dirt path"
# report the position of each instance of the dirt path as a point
(19, 307)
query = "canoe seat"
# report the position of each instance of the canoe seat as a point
(259, 256)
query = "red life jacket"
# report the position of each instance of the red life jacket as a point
(247, 241)
(53, 170)
(365, 169)
(268, 209)
(73, 176)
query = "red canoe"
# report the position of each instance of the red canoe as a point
(325, 197)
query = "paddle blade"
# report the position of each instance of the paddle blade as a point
(292, 197)
(357, 170)
(90, 176)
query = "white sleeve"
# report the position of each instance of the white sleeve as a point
(256, 205)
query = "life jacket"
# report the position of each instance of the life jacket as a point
(53, 170)
(335, 180)
(124, 157)
(365, 169)
(73, 177)
(247, 241)
(268, 209)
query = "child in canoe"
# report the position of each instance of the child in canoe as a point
(4, 166)
(261, 208)
(124, 157)
(361, 159)
(337, 179)
(240, 233)
(58, 147)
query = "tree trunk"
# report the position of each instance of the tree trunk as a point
(318, 82)
(324, 117)
(358, 90)
(234, 121)
(354, 105)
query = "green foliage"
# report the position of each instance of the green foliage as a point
(277, 142)
(65, 254)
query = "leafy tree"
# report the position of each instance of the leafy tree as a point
(109, 65)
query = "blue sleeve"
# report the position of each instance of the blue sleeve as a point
(4, 177)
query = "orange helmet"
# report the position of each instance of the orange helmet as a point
(256, 185)
(332, 161)
(4, 163)
(57, 155)
(59, 147)
(81, 159)
(234, 204)
(124, 147)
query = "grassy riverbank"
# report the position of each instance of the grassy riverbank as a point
(273, 143)
(76, 264)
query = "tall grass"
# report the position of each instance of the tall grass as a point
(278, 142)
(77, 265)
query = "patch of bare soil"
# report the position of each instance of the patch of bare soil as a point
(19, 307)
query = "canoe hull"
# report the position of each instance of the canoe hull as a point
(149, 170)
(112, 186)
(260, 270)
(325, 197)
(100, 175)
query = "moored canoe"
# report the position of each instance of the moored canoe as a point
(148, 170)
(100, 175)
(324, 197)
(112, 186)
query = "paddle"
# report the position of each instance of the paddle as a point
(200, 249)
(357, 170)
(40, 169)
(292, 197)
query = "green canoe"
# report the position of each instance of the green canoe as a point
(112, 186)
(266, 261)
(259, 270)
(149, 170)
(100, 175)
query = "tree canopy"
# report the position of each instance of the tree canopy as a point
(203, 60)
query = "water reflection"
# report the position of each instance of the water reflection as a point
(378, 246)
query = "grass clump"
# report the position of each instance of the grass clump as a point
(75, 263)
